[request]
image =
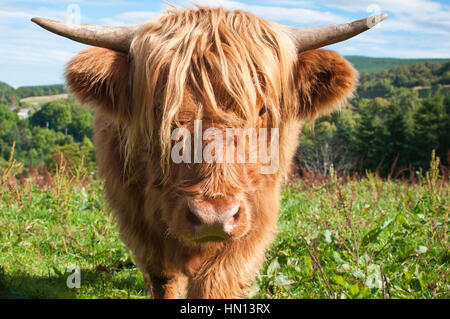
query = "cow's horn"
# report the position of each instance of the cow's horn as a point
(317, 37)
(114, 38)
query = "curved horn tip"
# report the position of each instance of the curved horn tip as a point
(43, 22)
(374, 20)
(38, 20)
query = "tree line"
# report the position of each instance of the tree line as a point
(11, 96)
(389, 126)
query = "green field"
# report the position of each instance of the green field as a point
(340, 238)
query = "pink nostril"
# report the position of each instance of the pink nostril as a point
(232, 222)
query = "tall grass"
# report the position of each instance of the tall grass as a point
(339, 237)
(50, 221)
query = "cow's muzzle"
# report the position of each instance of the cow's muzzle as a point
(214, 219)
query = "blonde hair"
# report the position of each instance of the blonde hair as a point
(183, 47)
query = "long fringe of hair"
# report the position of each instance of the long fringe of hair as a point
(182, 48)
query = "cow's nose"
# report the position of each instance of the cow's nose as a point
(213, 221)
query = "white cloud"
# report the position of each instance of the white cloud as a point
(416, 7)
(417, 16)
(109, 3)
(32, 56)
(436, 53)
(128, 18)
(14, 14)
(297, 16)
(19, 14)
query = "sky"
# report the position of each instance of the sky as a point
(30, 55)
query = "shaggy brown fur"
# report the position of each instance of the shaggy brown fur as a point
(222, 67)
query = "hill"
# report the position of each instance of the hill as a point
(371, 65)
(12, 97)
(35, 101)
(392, 124)
(7, 94)
(44, 90)
(422, 77)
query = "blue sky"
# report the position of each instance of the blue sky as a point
(32, 56)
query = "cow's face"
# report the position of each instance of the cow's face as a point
(214, 172)
(185, 85)
(212, 168)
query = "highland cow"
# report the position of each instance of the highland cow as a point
(201, 228)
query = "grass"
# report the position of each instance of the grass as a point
(35, 101)
(360, 239)
(342, 238)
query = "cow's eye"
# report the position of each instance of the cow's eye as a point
(263, 110)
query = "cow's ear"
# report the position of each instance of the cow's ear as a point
(100, 77)
(325, 81)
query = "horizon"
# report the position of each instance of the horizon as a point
(31, 56)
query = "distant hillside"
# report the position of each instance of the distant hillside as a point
(45, 90)
(371, 65)
(35, 101)
(7, 94)
(11, 96)
(422, 77)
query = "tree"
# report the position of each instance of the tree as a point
(326, 144)
(75, 156)
(430, 120)
(55, 115)
(43, 141)
(7, 94)
(8, 130)
(82, 122)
